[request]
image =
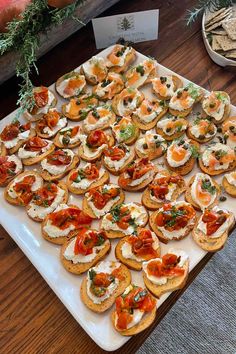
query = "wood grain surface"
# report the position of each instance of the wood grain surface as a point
(32, 318)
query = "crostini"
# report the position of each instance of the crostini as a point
(84, 250)
(20, 190)
(127, 101)
(181, 155)
(202, 191)
(91, 175)
(34, 150)
(10, 167)
(229, 183)
(64, 223)
(171, 127)
(71, 84)
(134, 312)
(117, 158)
(68, 138)
(217, 106)
(58, 164)
(100, 117)
(173, 221)
(137, 175)
(3, 150)
(183, 100)
(103, 283)
(216, 159)
(150, 145)
(125, 130)
(148, 113)
(120, 58)
(167, 273)
(44, 99)
(134, 249)
(141, 74)
(229, 131)
(124, 219)
(212, 229)
(46, 199)
(99, 201)
(109, 87)
(50, 124)
(14, 135)
(94, 70)
(201, 130)
(78, 108)
(165, 187)
(165, 86)
(93, 145)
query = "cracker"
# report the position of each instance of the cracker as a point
(219, 32)
(226, 43)
(219, 18)
(231, 54)
(230, 27)
(215, 44)
(214, 14)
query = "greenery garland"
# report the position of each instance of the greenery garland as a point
(204, 5)
(23, 37)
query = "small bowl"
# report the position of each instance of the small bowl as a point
(217, 58)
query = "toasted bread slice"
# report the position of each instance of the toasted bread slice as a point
(145, 322)
(79, 268)
(147, 126)
(116, 99)
(35, 117)
(49, 177)
(227, 109)
(177, 84)
(47, 136)
(33, 160)
(133, 138)
(14, 149)
(57, 142)
(115, 172)
(111, 142)
(70, 75)
(171, 285)
(149, 73)
(139, 187)
(229, 188)
(173, 136)
(152, 152)
(107, 303)
(106, 125)
(10, 174)
(212, 172)
(130, 57)
(3, 150)
(203, 139)
(83, 105)
(104, 179)
(183, 113)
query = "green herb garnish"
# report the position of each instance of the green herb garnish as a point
(206, 185)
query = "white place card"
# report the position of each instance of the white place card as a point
(134, 27)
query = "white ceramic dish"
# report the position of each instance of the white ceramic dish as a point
(45, 256)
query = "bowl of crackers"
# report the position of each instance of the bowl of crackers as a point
(219, 35)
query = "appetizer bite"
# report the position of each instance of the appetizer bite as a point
(182, 102)
(10, 167)
(229, 183)
(165, 187)
(109, 87)
(94, 70)
(217, 106)
(84, 250)
(134, 249)
(167, 273)
(181, 156)
(127, 101)
(125, 130)
(137, 175)
(3, 150)
(117, 158)
(135, 311)
(148, 113)
(91, 175)
(166, 86)
(34, 150)
(50, 124)
(216, 159)
(44, 99)
(14, 135)
(212, 229)
(70, 85)
(68, 138)
(173, 221)
(58, 164)
(202, 191)
(171, 127)
(229, 131)
(46, 199)
(120, 58)
(150, 145)
(93, 145)
(103, 283)
(100, 117)
(64, 223)
(20, 190)
(99, 201)
(201, 130)
(141, 74)
(78, 108)
(124, 219)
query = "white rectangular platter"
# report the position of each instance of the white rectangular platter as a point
(45, 256)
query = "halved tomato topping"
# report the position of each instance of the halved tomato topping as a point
(10, 132)
(59, 158)
(91, 172)
(7, 169)
(35, 144)
(213, 220)
(87, 240)
(45, 195)
(96, 138)
(51, 118)
(115, 153)
(167, 267)
(41, 97)
(100, 197)
(139, 168)
(142, 244)
(174, 217)
(23, 189)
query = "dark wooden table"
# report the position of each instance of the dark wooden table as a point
(32, 318)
